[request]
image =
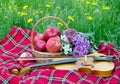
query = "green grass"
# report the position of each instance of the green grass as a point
(105, 24)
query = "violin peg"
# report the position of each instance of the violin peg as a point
(25, 70)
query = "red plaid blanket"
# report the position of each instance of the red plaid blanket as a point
(18, 41)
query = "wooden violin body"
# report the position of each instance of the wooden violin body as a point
(98, 68)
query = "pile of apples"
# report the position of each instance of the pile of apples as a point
(49, 41)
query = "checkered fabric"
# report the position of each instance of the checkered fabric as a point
(18, 41)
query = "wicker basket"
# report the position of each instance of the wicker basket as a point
(38, 54)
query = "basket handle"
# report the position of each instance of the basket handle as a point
(44, 18)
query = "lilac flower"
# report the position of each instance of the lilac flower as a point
(70, 33)
(80, 51)
(80, 44)
(77, 51)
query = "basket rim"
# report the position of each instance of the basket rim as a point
(46, 53)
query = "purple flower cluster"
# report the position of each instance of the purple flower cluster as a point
(70, 35)
(81, 45)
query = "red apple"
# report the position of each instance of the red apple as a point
(52, 32)
(25, 55)
(39, 37)
(53, 45)
(40, 45)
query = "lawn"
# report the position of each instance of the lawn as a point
(98, 18)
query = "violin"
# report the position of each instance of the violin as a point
(100, 66)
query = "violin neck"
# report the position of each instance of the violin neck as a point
(70, 60)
